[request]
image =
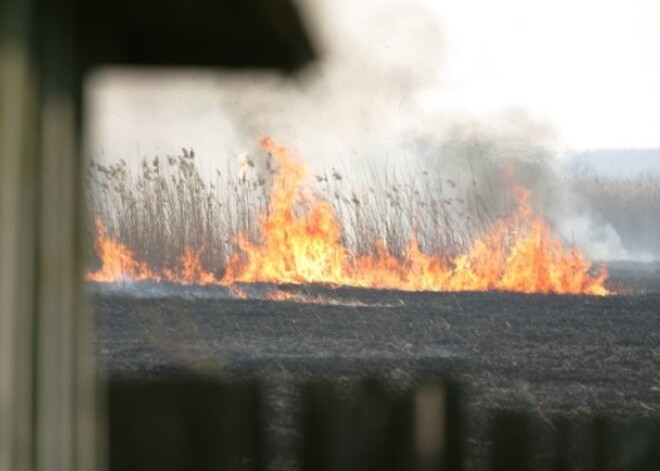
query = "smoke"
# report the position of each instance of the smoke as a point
(361, 98)
(485, 160)
(366, 103)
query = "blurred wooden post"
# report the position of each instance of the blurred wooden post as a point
(439, 428)
(47, 385)
(243, 431)
(603, 445)
(323, 421)
(46, 378)
(372, 435)
(19, 134)
(185, 424)
(382, 431)
(640, 445)
(561, 445)
(511, 442)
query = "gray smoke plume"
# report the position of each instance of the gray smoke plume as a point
(362, 105)
(486, 160)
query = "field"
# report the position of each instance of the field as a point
(548, 355)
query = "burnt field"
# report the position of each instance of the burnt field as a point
(548, 355)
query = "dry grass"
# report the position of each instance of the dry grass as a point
(167, 205)
(375, 204)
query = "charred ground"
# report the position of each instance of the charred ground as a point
(548, 355)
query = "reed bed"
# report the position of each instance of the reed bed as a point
(166, 205)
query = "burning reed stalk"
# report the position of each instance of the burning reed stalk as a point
(303, 238)
(167, 206)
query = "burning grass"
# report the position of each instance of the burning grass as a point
(279, 228)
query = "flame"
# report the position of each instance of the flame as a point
(294, 248)
(300, 242)
(190, 270)
(117, 261)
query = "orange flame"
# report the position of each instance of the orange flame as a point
(190, 271)
(117, 261)
(300, 242)
(304, 246)
(294, 248)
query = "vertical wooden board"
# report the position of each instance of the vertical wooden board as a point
(19, 145)
(640, 446)
(399, 441)
(323, 420)
(561, 445)
(186, 423)
(603, 445)
(242, 432)
(511, 442)
(368, 434)
(439, 427)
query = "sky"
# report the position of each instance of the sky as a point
(581, 74)
(590, 67)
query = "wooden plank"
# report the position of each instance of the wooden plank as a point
(183, 424)
(370, 438)
(323, 420)
(439, 427)
(47, 392)
(640, 445)
(561, 445)
(511, 442)
(603, 445)
(19, 135)
(381, 430)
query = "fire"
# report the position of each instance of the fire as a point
(300, 242)
(304, 246)
(295, 248)
(190, 271)
(118, 263)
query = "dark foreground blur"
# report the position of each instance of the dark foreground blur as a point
(580, 370)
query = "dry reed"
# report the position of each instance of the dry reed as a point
(166, 206)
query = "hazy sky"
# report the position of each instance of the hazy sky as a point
(591, 67)
(587, 70)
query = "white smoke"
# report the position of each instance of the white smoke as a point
(363, 100)
(485, 160)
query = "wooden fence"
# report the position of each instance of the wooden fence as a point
(200, 424)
